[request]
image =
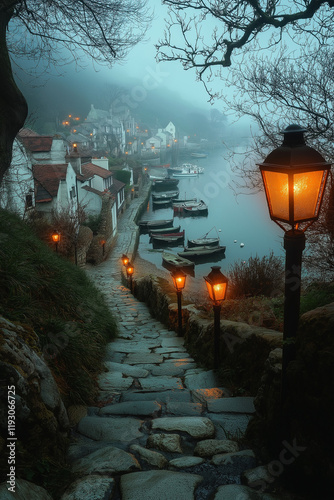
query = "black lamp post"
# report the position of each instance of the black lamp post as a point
(179, 281)
(294, 177)
(129, 272)
(216, 284)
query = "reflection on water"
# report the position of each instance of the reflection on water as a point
(242, 220)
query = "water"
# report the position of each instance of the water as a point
(243, 218)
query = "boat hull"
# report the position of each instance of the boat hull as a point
(201, 252)
(174, 261)
(209, 242)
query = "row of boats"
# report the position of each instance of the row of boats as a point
(163, 233)
(184, 206)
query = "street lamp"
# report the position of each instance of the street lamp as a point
(103, 245)
(179, 281)
(216, 284)
(56, 239)
(129, 272)
(294, 177)
(125, 259)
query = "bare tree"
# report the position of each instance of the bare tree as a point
(41, 29)
(205, 34)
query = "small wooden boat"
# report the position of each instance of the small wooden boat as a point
(199, 242)
(167, 195)
(155, 224)
(196, 252)
(201, 209)
(179, 202)
(171, 260)
(165, 230)
(168, 238)
(161, 203)
(178, 207)
(185, 174)
(164, 184)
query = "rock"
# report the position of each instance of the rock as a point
(160, 383)
(130, 346)
(162, 485)
(197, 427)
(125, 369)
(229, 458)
(232, 405)
(239, 492)
(161, 397)
(24, 490)
(202, 380)
(185, 461)
(167, 369)
(172, 342)
(229, 425)
(165, 442)
(106, 461)
(94, 487)
(152, 457)
(259, 476)
(140, 408)
(211, 447)
(76, 413)
(114, 381)
(137, 358)
(113, 429)
(183, 409)
(205, 395)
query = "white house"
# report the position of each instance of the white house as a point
(171, 129)
(153, 143)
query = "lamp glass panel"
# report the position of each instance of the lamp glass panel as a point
(277, 190)
(308, 188)
(210, 290)
(219, 291)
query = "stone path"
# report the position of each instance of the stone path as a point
(163, 429)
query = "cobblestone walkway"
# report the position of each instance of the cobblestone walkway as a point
(163, 429)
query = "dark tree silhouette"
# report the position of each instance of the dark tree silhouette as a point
(41, 29)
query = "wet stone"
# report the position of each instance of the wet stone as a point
(202, 380)
(197, 427)
(229, 458)
(172, 342)
(229, 424)
(165, 442)
(184, 409)
(125, 369)
(161, 484)
(210, 447)
(141, 358)
(205, 395)
(106, 461)
(92, 487)
(166, 350)
(160, 383)
(232, 405)
(152, 457)
(140, 408)
(112, 429)
(186, 461)
(240, 492)
(167, 369)
(160, 397)
(116, 381)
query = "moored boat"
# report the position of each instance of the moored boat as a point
(165, 230)
(168, 238)
(161, 203)
(179, 206)
(167, 195)
(209, 242)
(164, 184)
(201, 209)
(155, 224)
(173, 261)
(204, 251)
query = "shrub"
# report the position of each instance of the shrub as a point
(256, 277)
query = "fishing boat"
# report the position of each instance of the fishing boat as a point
(184, 173)
(199, 242)
(185, 170)
(168, 238)
(173, 261)
(181, 201)
(167, 195)
(164, 184)
(165, 230)
(200, 209)
(179, 206)
(204, 251)
(154, 224)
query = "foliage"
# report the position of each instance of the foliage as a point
(93, 222)
(40, 289)
(123, 176)
(256, 277)
(317, 294)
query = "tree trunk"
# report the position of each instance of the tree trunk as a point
(13, 106)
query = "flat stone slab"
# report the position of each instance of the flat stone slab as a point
(197, 427)
(240, 492)
(229, 458)
(106, 461)
(142, 408)
(205, 395)
(184, 363)
(24, 490)
(125, 369)
(161, 397)
(112, 429)
(210, 447)
(186, 461)
(202, 380)
(114, 381)
(167, 350)
(137, 358)
(151, 457)
(160, 383)
(232, 405)
(165, 442)
(167, 369)
(172, 342)
(184, 409)
(229, 424)
(93, 487)
(131, 346)
(159, 484)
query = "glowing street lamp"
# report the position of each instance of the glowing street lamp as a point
(56, 239)
(294, 177)
(216, 284)
(179, 281)
(129, 272)
(125, 260)
(103, 244)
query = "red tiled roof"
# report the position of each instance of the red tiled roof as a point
(91, 169)
(24, 132)
(116, 186)
(92, 190)
(36, 144)
(48, 178)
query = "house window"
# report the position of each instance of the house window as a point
(29, 201)
(72, 193)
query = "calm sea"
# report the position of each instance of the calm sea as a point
(238, 220)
